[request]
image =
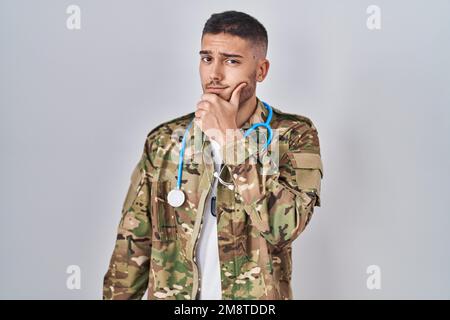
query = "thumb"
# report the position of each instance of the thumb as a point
(235, 96)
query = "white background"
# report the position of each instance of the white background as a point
(76, 106)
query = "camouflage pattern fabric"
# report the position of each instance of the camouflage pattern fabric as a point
(270, 205)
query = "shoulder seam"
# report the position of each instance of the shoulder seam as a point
(168, 122)
(298, 117)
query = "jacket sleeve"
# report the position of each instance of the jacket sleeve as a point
(128, 271)
(279, 198)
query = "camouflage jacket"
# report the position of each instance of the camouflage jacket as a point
(156, 243)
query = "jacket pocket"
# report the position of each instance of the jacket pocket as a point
(163, 213)
(308, 172)
(135, 181)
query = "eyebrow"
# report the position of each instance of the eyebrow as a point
(227, 55)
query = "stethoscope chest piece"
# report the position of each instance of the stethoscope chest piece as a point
(175, 198)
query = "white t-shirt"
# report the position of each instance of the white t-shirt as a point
(208, 249)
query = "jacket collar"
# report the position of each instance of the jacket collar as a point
(259, 115)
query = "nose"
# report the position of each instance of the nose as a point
(216, 74)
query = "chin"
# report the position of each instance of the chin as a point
(224, 96)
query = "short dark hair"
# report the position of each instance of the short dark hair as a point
(238, 24)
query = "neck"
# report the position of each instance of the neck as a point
(245, 111)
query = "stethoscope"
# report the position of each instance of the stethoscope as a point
(176, 196)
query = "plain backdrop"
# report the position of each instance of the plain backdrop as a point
(76, 106)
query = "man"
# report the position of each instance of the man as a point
(231, 236)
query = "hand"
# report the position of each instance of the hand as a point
(215, 115)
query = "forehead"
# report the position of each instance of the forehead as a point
(224, 42)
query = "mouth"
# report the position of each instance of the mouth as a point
(215, 89)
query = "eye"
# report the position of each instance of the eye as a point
(206, 59)
(232, 61)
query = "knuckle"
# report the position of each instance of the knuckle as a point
(205, 104)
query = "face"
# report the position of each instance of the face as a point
(226, 61)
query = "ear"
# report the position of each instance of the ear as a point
(263, 69)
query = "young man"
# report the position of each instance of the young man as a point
(228, 235)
